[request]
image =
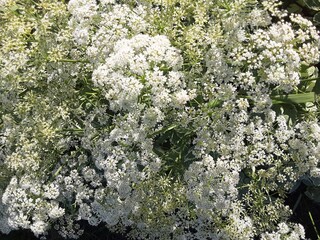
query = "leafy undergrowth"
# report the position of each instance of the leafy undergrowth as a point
(305, 199)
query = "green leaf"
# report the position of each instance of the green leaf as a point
(316, 88)
(313, 4)
(14, 8)
(163, 130)
(289, 110)
(301, 3)
(294, 98)
(308, 72)
(311, 86)
(294, 8)
(316, 18)
(215, 103)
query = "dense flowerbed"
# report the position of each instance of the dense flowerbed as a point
(189, 119)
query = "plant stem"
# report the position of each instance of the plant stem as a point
(310, 79)
(73, 61)
(314, 225)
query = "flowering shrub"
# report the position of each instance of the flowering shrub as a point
(160, 119)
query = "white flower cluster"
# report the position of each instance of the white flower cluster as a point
(116, 22)
(154, 118)
(285, 231)
(140, 68)
(31, 204)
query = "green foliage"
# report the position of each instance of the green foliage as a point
(312, 7)
(312, 4)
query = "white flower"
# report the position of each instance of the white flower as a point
(82, 9)
(81, 35)
(181, 97)
(39, 227)
(56, 211)
(51, 191)
(106, 2)
(283, 228)
(4, 2)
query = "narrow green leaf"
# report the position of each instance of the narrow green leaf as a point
(294, 98)
(313, 224)
(163, 130)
